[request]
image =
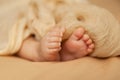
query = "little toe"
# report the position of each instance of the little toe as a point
(90, 50)
(91, 46)
(86, 37)
(77, 34)
(89, 41)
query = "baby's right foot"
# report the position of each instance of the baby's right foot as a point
(78, 45)
(50, 45)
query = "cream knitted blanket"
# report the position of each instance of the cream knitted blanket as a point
(20, 19)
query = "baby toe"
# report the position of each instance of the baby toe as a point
(77, 34)
(85, 37)
(89, 50)
(91, 46)
(89, 41)
(54, 45)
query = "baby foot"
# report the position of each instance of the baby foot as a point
(78, 45)
(51, 45)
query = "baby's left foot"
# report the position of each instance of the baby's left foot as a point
(78, 45)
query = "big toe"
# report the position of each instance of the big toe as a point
(77, 34)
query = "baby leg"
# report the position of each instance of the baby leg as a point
(47, 49)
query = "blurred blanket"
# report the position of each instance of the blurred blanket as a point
(20, 19)
(12, 68)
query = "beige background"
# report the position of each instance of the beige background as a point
(12, 68)
(112, 5)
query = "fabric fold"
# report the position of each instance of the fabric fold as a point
(42, 15)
